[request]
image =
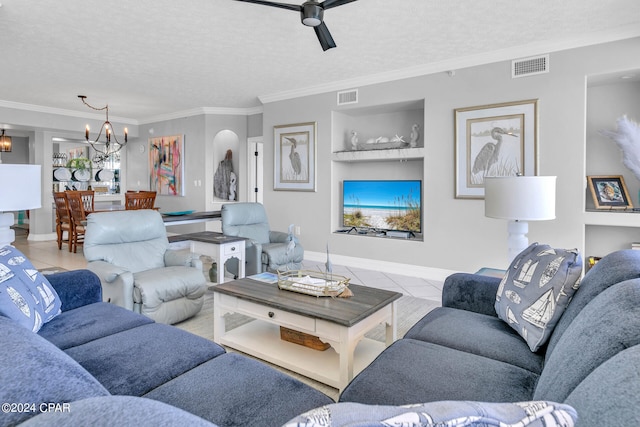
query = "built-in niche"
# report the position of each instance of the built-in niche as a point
(226, 150)
(609, 97)
(374, 156)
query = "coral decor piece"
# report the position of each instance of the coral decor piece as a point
(627, 137)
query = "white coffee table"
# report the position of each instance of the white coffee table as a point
(340, 322)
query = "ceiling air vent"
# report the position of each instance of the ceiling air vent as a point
(530, 66)
(348, 97)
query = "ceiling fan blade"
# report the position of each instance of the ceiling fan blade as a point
(324, 37)
(328, 4)
(288, 6)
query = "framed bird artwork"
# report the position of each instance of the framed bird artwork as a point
(494, 140)
(295, 157)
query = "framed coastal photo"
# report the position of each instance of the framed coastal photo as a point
(609, 192)
(494, 140)
(295, 157)
(166, 165)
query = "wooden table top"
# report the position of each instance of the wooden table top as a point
(343, 311)
(192, 216)
(206, 237)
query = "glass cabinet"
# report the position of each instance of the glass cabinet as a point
(73, 170)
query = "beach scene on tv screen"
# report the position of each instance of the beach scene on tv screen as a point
(385, 205)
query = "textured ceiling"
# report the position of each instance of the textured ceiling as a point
(148, 58)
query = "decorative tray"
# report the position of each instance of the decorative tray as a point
(311, 282)
(178, 213)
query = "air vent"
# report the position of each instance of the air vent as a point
(348, 97)
(530, 66)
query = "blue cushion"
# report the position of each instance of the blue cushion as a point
(610, 395)
(117, 411)
(36, 371)
(411, 371)
(606, 326)
(234, 390)
(90, 322)
(26, 296)
(437, 414)
(476, 333)
(613, 268)
(536, 289)
(140, 359)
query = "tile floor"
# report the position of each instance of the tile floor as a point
(46, 255)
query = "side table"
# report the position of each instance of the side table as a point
(216, 245)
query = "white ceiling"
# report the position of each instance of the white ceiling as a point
(153, 58)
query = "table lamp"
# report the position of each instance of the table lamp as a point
(20, 189)
(519, 199)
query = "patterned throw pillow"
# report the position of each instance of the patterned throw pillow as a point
(536, 289)
(26, 296)
(437, 414)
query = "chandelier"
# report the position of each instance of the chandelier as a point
(5, 143)
(111, 145)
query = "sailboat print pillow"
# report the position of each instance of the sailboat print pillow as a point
(536, 289)
(26, 296)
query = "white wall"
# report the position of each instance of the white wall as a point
(457, 236)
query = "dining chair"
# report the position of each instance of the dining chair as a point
(75, 205)
(139, 200)
(87, 200)
(63, 219)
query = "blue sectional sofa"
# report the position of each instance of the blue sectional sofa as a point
(462, 351)
(100, 364)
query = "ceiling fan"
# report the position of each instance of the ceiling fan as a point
(311, 13)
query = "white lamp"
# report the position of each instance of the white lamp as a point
(20, 189)
(520, 199)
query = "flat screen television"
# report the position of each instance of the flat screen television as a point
(382, 204)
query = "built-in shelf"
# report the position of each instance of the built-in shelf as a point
(379, 155)
(608, 98)
(613, 218)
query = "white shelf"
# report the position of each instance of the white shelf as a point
(612, 219)
(262, 340)
(379, 155)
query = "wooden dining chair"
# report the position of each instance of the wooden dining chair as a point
(75, 205)
(139, 199)
(63, 219)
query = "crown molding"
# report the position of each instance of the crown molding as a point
(532, 49)
(170, 116)
(218, 111)
(62, 112)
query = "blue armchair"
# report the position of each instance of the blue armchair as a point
(129, 251)
(266, 250)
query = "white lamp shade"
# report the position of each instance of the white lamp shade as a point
(20, 187)
(523, 198)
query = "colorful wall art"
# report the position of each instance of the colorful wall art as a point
(166, 165)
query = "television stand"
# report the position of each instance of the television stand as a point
(347, 230)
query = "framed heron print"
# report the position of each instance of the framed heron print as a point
(295, 157)
(494, 140)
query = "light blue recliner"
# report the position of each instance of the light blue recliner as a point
(129, 251)
(266, 250)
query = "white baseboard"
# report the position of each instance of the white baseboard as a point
(42, 237)
(428, 273)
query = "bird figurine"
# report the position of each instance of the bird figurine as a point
(354, 140)
(627, 137)
(294, 157)
(415, 135)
